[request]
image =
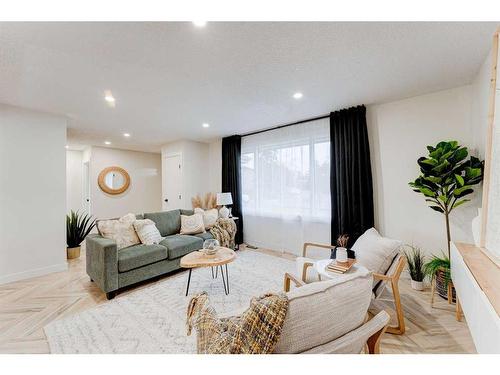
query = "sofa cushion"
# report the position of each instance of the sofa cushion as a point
(147, 232)
(179, 245)
(204, 236)
(120, 230)
(324, 311)
(209, 216)
(139, 256)
(192, 224)
(167, 222)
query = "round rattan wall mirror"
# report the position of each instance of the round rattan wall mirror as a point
(113, 180)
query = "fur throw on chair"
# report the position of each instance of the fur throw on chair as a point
(256, 331)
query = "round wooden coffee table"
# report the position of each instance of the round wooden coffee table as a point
(198, 259)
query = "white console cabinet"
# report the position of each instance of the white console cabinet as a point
(477, 282)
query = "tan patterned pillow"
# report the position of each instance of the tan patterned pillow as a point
(209, 216)
(192, 224)
(120, 230)
(147, 231)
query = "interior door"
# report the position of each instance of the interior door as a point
(86, 187)
(172, 182)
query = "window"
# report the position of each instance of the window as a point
(286, 172)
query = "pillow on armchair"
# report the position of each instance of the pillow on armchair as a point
(375, 252)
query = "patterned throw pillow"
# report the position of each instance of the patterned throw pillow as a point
(147, 232)
(120, 230)
(209, 216)
(192, 224)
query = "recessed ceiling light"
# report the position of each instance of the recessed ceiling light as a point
(109, 98)
(66, 147)
(205, 125)
(126, 135)
(107, 143)
(200, 23)
(298, 95)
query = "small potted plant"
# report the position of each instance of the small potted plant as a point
(78, 226)
(416, 265)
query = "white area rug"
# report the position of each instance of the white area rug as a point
(153, 320)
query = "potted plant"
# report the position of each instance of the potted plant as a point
(416, 265)
(447, 175)
(78, 226)
(439, 267)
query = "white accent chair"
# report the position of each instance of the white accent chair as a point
(307, 274)
(331, 317)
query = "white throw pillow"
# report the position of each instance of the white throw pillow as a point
(192, 224)
(147, 231)
(120, 230)
(209, 216)
(376, 252)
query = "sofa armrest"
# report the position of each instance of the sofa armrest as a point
(102, 262)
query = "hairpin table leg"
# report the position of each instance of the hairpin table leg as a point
(189, 280)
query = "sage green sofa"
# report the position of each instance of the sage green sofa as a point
(112, 269)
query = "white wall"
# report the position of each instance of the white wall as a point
(74, 180)
(480, 104)
(215, 166)
(32, 193)
(196, 168)
(144, 193)
(399, 133)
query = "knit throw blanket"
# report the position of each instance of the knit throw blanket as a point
(224, 231)
(256, 331)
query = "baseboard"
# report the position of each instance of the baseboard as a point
(33, 273)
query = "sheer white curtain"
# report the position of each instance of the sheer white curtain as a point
(286, 186)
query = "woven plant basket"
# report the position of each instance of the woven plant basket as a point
(442, 286)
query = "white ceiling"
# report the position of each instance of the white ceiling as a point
(168, 78)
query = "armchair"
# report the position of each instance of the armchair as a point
(336, 321)
(305, 275)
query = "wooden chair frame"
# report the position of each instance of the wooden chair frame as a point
(393, 279)
(373, 342)
(304, 254)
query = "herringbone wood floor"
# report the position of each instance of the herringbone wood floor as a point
(27, 306)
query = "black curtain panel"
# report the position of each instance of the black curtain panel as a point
(231, 178)
(350, 174)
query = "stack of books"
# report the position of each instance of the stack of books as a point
(338, 267)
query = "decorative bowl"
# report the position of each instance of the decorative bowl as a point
(210, 247)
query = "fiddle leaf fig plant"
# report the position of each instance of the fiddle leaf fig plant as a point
(447, 176)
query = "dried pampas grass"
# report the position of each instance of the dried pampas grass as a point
(207, 203)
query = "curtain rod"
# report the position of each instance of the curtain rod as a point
(286, 125)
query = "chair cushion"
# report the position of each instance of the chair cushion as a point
(139, 256)
(167, 222)
(179, 245)
(323, 311)
(204, 236)
(376, 252)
